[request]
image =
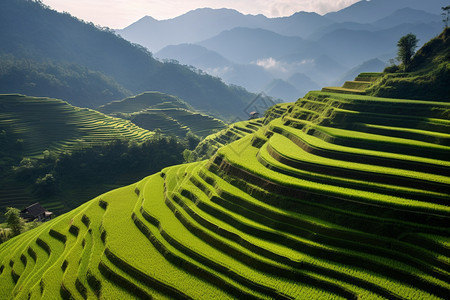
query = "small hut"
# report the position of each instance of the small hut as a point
(254, 115)
(36, 212)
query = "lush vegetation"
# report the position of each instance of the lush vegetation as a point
(60, 80)
(336, 196)
(62, 155)
(14, 224)
(43, 37)
(37, 124)
(209, 146)
(427, 76)
(340, 195)
(169, 114)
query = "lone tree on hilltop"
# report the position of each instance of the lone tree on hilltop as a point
(445, 15)
(406, 47)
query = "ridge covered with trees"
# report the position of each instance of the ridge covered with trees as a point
(43, 36)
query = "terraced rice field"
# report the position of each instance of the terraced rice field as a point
(358, 86)
(51, 124)
(338, 196)
(153, 110)
(176, 121)
(209, 146)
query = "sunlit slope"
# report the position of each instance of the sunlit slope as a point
(209, 146)
(154, 110)
(51, 124)
(358, 86)
(341, 197)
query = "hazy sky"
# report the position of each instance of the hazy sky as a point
(121, 13)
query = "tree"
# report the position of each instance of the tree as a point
(406, 47)
(14, 221)
(445, 15)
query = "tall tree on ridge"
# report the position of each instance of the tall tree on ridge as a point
(406, 47)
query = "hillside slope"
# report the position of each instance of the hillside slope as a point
(43, 138)
(59, 80)
(46, 35)
(342, 196)
(52, 124)
(169, 114)
(428, 75)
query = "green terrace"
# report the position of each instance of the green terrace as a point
(51, 124)
(358, 86)
(171, 115)
(178, 122)
(324, 198)
(148, 100)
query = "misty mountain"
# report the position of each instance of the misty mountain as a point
(303, 83)
(368, 11)
(195, 55)
(262, 53)
(291, 89)
(366, 45)
(300, 24)
(320, 67)
(37, 33)
(406, 15)
(251, 76)
(204, 23)
(244, 45)
(282, 89)
(319, 33)
(193, 26)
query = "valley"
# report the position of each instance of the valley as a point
(162, 181)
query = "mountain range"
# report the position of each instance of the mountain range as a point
(56, 55)
(268, 49)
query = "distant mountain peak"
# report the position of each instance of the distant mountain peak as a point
(144, 21)
(149, 18)
(304, 13)
(366, 11)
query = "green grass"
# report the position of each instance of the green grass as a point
(154, 110)
(344, 90)
(51, 124)
(148, 100)
(209, 146)
(321, 199)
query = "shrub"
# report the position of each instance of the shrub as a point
(391, 69)
(14, 221)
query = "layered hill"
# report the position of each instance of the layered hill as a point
(52, 124)
(338, 196)
(261, 53)
(427, 77)
(45, 35)
(236, 131)
(169, 114)
(40, 136)
(60, 80)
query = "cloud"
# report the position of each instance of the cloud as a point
(271, 64)
(120, 13)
